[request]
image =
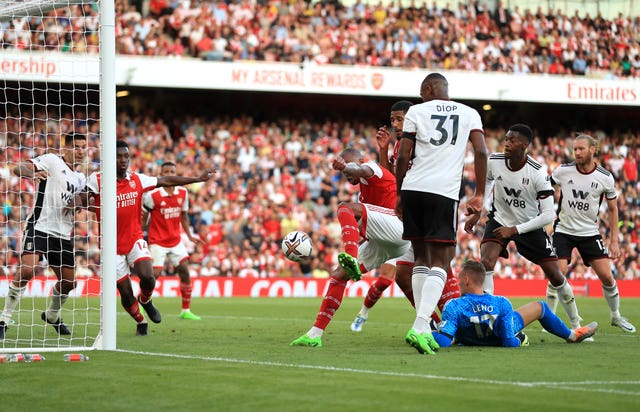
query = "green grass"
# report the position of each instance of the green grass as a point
(238, 358)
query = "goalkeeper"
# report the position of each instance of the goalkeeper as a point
(479, 319)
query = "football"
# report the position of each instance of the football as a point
(296, 246)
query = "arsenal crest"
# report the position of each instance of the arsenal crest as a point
(132, 184)
(376, 80)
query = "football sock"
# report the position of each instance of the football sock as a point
(331, 302)
(57, 300)
(375, 291)
(350, 232)
(145, 295)
(315, 332)
(418, 277)
(431, 292)
(568, 301)
(553, 323)
(185, 293)
(11, 301)
(451, 290)
(552, 298)
(364, 312)
(487, 285)
(134, 311)
(612, 297)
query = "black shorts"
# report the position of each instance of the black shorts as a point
(589, 247)
(429, 217)
(59, 252)
(536, 246)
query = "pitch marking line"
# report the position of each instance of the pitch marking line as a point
(571, 386)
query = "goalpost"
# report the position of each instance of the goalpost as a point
(57, 71)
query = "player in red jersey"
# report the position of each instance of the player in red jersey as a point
(165, 211)
(373, 220)
(132, 250)
(398, 269)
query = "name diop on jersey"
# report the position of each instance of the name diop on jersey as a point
(171, 212)
(126, 199)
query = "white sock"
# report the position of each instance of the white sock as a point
(11, 301)
(315, 332)
(568, 301)
(418, 277)
(431, 292)
(57, 300)
(364, 312)
(612, 297)
(487, 285)
(552, 297)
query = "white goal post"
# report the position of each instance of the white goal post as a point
(57, 72)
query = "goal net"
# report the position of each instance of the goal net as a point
(50, 105)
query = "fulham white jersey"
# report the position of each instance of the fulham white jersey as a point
(53, 194)
(580, 197)
(516, 192)
(442, 129)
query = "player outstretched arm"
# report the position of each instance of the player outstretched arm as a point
(185, 180)
(351, 170)
(28, 170)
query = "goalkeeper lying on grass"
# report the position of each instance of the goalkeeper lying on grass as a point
(480, 319)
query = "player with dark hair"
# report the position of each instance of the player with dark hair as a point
(132, 250)
(372, 219)
(583, 185)
(521, 206)
(165, 210)
(48, 229)
(398, 269)
(481, 319)
(434, 140)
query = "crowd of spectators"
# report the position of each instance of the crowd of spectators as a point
(398, 33)
(273, 177)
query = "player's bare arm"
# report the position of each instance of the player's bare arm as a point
(185, 180)
(27, 170)
(383, 138)
(480, 156)
(471, 221)
(614, 241)
(407, 143)
(184, 220)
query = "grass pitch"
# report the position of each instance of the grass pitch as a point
(238, 359)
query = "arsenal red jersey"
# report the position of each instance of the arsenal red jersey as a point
(379, 189)
(129, 193)
(165, 215)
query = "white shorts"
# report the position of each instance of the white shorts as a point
(406, 259)
(176, 254)
(124, 263)
(382, 230)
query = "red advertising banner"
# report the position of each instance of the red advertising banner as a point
(216, 287)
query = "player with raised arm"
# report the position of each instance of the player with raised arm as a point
(47, 233)
(165, 210)
(481, 319)
(374, 220)
(434, 140)
(132, 249)
(583, 185)
(398, 269)
(521, 207)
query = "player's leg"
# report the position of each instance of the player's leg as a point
(17, 286)
(61, 258)
(490, 250)
(330, 304)
(562, 287)
(563, 245)
(179, 256)
(386, 275)
(129, 301)
(403, 279)
(143, 267)
(348, 216)
(602, 267)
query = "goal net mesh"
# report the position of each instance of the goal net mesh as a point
(49, 72)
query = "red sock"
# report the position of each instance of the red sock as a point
(134, 311)
(435, 317)
(350, 231)
(409, 295)
(185, 292)
(145, 295)
(451, 290)
(376, 290)
(331, 302)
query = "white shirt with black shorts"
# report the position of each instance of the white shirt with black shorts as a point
(49, 226)
(581, 195)
(431, 187)
(515, 200)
